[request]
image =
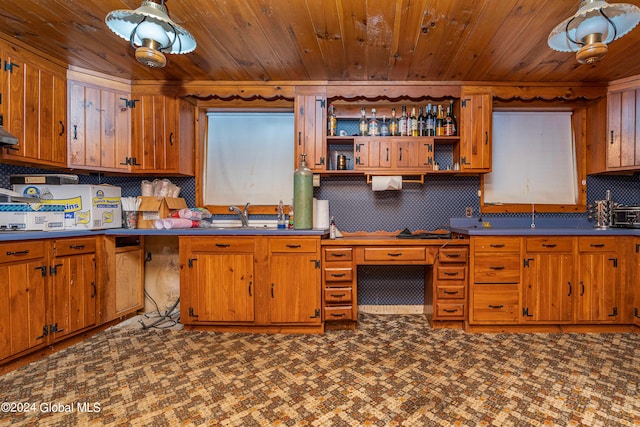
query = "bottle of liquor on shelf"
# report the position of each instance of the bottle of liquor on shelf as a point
(453, 118)
(420, 123)
(402, 122)
(393, 124)
(429, 124)
(439, 122)
(414, 122)
(333, 121)
(364, 126)
(374, 126)
(384, 127)
(448, 122)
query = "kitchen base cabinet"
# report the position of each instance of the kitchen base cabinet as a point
(634, 283)
(339, 290)
(450, 284)
(257, 283)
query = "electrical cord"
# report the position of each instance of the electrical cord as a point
(168, 319)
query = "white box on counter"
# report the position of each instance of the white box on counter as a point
(91, 207)
(31, 216)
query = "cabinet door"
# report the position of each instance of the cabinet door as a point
(475, 132)
(547, 289)
(623, 143)
(129, 280)
(373, 154)
(598, 282)
(635, 281)
(310, 122)
(22, 307)
(425, 155)
(73, 294)
(406, 153)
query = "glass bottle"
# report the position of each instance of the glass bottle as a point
(439, 121)
(453, 118)
(420, 123)
(374, 129)
(333, 121)
(384, 127)
(303, 196)
(393, 125)
(414, 123)
(429, 122)
(448, 122)
(402, 122)
(363, 123)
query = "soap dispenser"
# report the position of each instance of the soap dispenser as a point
(303, 196)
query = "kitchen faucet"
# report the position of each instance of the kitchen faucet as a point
(243, 214)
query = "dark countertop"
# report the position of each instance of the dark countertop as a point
(543, 227)
(6, 236)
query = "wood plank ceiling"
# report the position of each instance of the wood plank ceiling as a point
(335, 40)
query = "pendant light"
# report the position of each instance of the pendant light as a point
(151, 32)
(592, 28)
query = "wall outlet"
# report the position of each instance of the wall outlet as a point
(468, 212)
(316, 180)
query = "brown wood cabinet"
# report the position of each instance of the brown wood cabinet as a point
(310, 106)
(623, 133)
(393, 154)
(99, 125)
(34, 108)
(339, 286)
(162, 134)
(450, 273)
(495, 265)
(475, 132)
(634, 280)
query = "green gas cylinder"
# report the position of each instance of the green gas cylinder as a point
(303, 196)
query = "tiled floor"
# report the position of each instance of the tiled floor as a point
(391, 370)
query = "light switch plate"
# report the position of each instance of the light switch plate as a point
(316, 180)
(468, 212)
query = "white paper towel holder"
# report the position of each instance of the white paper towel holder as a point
(419, 179)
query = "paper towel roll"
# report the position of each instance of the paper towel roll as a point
(321, 214)
(382, 183)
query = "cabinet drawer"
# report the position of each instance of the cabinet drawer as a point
(450, 272)
(337, 295)
(448, 309)
(395, 254)
(343, 312)
(450, 291)
(489, 268)
(596, 244)
(497, 303)
(453, 255)
(19, 251)
(338, 274)
(233, 244)
(75, 246)
(338, 254)
(293, 245)
(549, 244)
(496, 244)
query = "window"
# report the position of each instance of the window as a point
(534, 162)
(249, 158)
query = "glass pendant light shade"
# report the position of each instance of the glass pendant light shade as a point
(595, 25)
(150, 30)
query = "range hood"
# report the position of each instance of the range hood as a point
(6, 139)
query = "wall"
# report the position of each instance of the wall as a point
(356, 207)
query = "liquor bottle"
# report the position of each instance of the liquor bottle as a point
(448, 122)
(393, 125)
(402, 122)
(414, 123)
(453, 118)
(333, 121)
(364, 126)
(384, 127)
(429, 122)
(439, 122)
(373, 124)
(420, 123)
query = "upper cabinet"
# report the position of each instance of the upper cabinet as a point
(623, 133)
(33, 104)
(162, 132)
(475, 132)
(310, 127)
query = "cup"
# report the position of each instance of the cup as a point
(130, 219)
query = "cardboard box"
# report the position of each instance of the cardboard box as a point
(152, 208)
(31, 216)
(89, 207)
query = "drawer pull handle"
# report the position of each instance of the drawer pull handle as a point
(497, 267)
(76, 246)
(450, 310)
(452, 255)
(25, 252)
(223, 245)
(293, 246)
(496, 306)
(451, 292)
(394, 254)
(497, 245)
(337, 255)
(549, 245)
(338, 274)
(597, 245)
(338, 295)
(337, 314)
(451, 273)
